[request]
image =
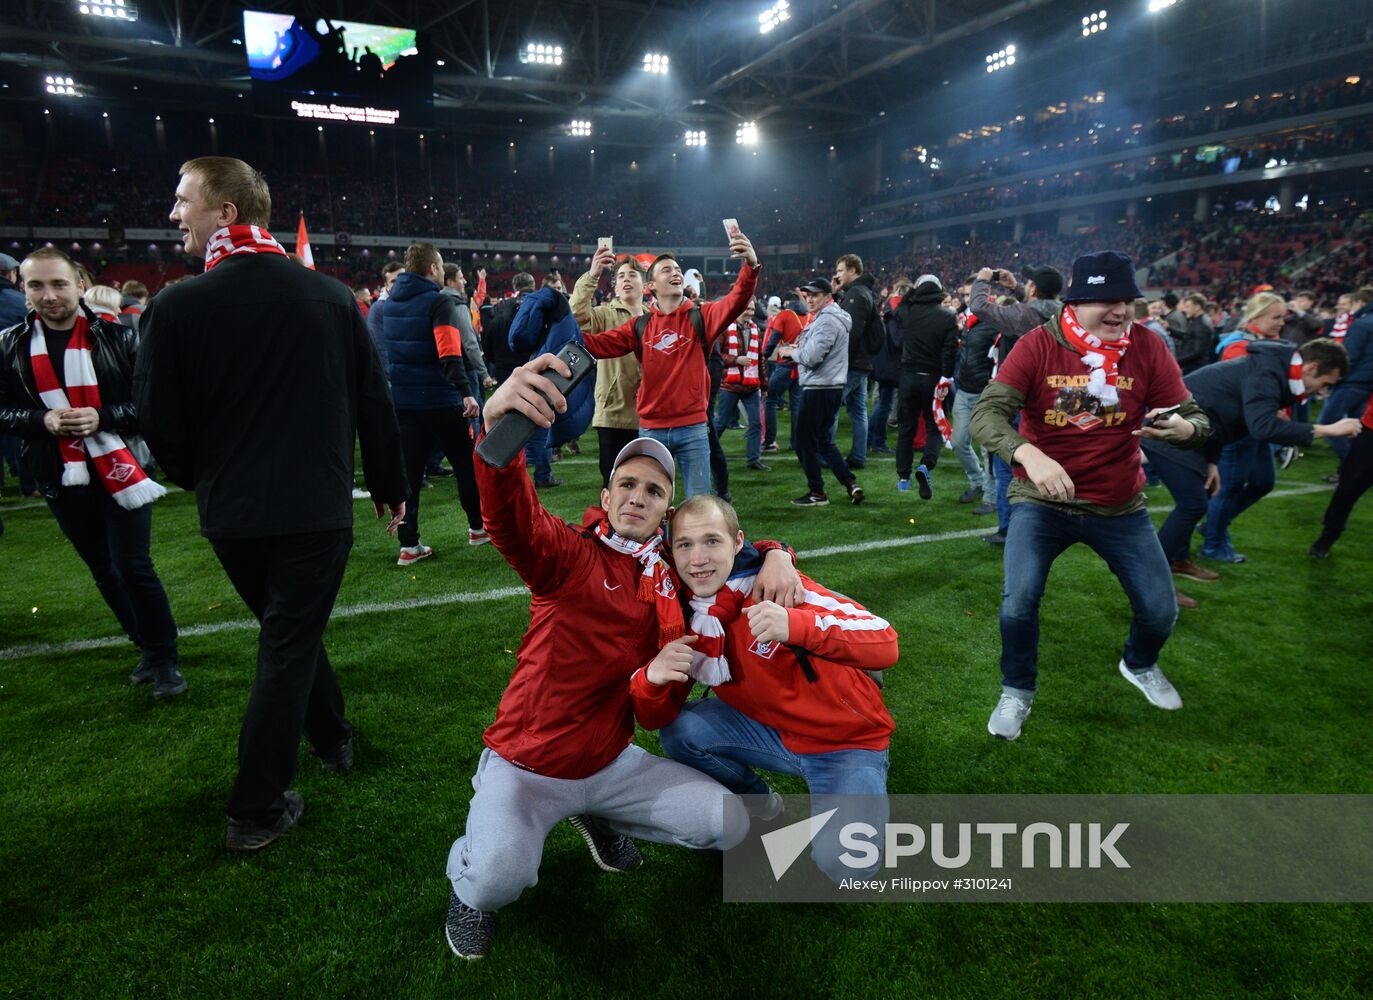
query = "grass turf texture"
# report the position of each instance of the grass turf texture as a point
(116, 881)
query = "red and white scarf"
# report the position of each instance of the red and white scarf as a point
(655, 580)
(736, 377)
(1341, 327)
(1294, 379)
(120, 474)
(1103, 357)
(709, 617)
(941, 392)
(233, 240)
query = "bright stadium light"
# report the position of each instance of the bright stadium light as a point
(1001, 58)
(655, 62)
(579, 127)
(120, 10)
(696, 137)
(61, 86)
(773, 16)
(1157, 5)
(1094, 24)
(543, 54)
(746, 134)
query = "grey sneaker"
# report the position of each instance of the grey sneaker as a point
(612, 852)
(167, 682)
(468, 931)
(1154, 685)
(1009, 715)
(245, 835)
(338, 760)
(144, 673)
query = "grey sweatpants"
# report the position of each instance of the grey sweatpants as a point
(636, 794)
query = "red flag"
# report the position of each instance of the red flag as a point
(303, 245)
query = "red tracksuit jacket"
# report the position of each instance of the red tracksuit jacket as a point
(842, 710)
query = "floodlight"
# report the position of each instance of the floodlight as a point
(655, 62)
(746, 134)
(542, 54)
(773, 16)
(61, 86)
(1157, 5)
(1093, 23)
(1001, 58)
(696, 137)
(579, 127)
(119, 10)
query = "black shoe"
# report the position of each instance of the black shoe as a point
(771, 447)
(438, 472)
(922, 480)
(1320, 548)
(1334, 477)
(854, 463)
(995, 538)
(547, 484)
(143, 673)
(726, 496)
(167, 682)
(468, 931)
(612, 852)
(811, 500)
(970, 494)
(245, 835)
(759, 467)
(985, 507)
(573, 448)
(855, 493)
(880, 450)
(338, 760)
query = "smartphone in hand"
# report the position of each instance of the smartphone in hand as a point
(605, 243)
(731, 228)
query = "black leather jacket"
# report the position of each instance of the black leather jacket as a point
(113, 348)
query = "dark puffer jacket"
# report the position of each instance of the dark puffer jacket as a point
(929, 332)
(113, 349)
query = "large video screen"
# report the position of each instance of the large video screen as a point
(342, 71)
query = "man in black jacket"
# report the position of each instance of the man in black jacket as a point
(1195, 340)
(929, 348)
(501, 358)
(86, 459)
(1242, 398)
(856, 296)
(251, 383)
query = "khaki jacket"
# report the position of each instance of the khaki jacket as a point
(617, 379)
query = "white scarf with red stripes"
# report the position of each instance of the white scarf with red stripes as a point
(1103, 357)
(120, 474)
(1341, 327)
(709, 616)
(1294, 379)
(233, 240)
(735, 346)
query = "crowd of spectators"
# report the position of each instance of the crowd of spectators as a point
(1191, 162)
(1091, 125)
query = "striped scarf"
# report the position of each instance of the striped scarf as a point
(233, 240)
(1294, 379)
(736, 377)
(709, 616)
(1341, 327)
(655, 580)
(1101, 356)
(120, 474)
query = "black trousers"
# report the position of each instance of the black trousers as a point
(420, 431)
(914, 401)
(814, 442)
(609, 441)
(289, 582)
(114, 545)
(1356, 476)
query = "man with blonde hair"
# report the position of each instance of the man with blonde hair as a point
(252, 383)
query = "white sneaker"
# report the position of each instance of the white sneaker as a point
(413, 554)
(1008, 716)
(1154, 685)
(361, 494)
(769, 809)
(477, 536)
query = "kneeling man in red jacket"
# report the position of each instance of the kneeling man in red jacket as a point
(793, 692)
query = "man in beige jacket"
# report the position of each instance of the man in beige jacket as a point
(617, 379)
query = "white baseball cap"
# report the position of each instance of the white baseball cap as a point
(647, 447)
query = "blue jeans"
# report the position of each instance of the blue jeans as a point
(722, 742)
(1343, 401)
(963, 448)
(690, 447)
(780, 383)
(856, 402)
(538, 456)
(1188, 487)
(881, 412)
(1247, 474)
(1038, 535)
(727, 411)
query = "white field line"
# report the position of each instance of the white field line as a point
(503, 593)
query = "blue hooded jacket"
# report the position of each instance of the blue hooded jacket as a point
(544, 325)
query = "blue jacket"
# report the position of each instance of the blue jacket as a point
(544, 325)
(1358, 341)
(419, 339)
